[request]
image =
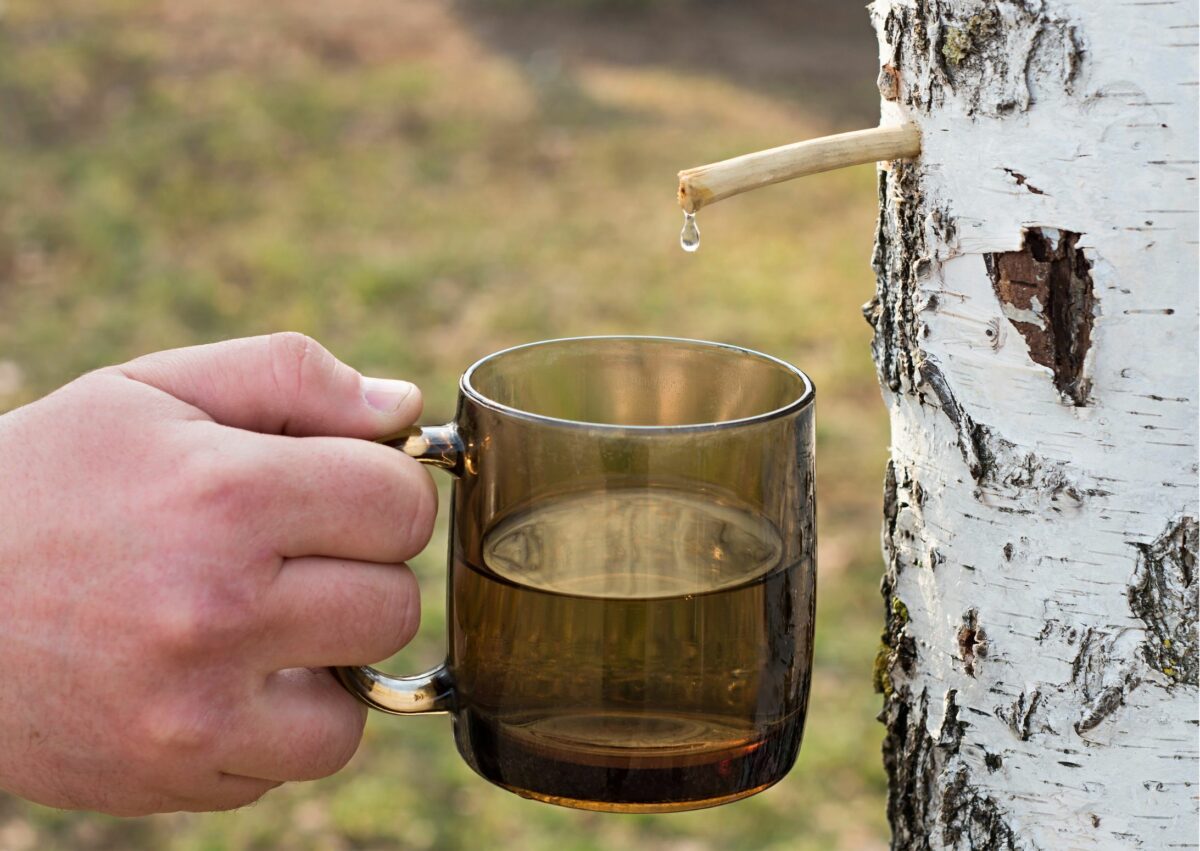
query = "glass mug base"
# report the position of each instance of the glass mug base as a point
(648, 809)
(629, 762)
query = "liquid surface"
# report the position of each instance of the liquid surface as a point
(633, 543)
(639, 649)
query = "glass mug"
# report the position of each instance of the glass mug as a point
(632, 573)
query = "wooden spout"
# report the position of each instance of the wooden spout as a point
(706, 184)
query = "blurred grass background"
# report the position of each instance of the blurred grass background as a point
(417, 184)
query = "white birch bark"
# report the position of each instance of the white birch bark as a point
(1036, 338)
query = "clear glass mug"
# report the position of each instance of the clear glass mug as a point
(632, 573)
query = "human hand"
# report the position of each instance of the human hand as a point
(186, 541)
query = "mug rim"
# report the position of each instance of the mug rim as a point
(802, 401)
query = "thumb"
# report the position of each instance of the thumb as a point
(283, 383)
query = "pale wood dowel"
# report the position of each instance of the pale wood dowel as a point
(706, 184)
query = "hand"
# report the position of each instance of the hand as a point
(186, 541)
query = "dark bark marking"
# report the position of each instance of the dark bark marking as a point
(888, 82)
(1104, 673)
(997, 463)
(995, 333)
(993, 761)
(1048, 286)
(899, 261)
(1008, 552)
(972, 641)
(1019, 473)
(972, 819)
(1022, 180)
(1164, 594)
(1019, 716)
(950, 734)
(908, 757)
(945, 227)
(1105, 704)
(920, 767)
(972, 437)
(897, 649)
(890, 507)
(990, 59)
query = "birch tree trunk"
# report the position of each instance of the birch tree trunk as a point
(1035, 335)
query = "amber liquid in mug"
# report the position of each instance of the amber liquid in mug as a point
(639, 649)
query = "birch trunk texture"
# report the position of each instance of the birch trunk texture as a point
(1036, 338)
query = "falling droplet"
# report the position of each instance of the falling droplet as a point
(689, 237)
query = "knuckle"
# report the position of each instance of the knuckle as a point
(218, 484)
(171, 731)
(213, 617)
(295, 360)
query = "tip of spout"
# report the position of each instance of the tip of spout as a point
(687, 199)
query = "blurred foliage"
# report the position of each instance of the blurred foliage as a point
(591, 5)
(383, 177)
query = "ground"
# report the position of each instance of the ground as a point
(417, 184)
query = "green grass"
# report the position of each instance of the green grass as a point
(415, 200)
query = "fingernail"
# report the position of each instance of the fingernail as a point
(386, 395)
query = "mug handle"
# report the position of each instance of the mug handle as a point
(432, 691)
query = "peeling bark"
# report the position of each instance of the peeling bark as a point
(1034, 321)
(1045, 290)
